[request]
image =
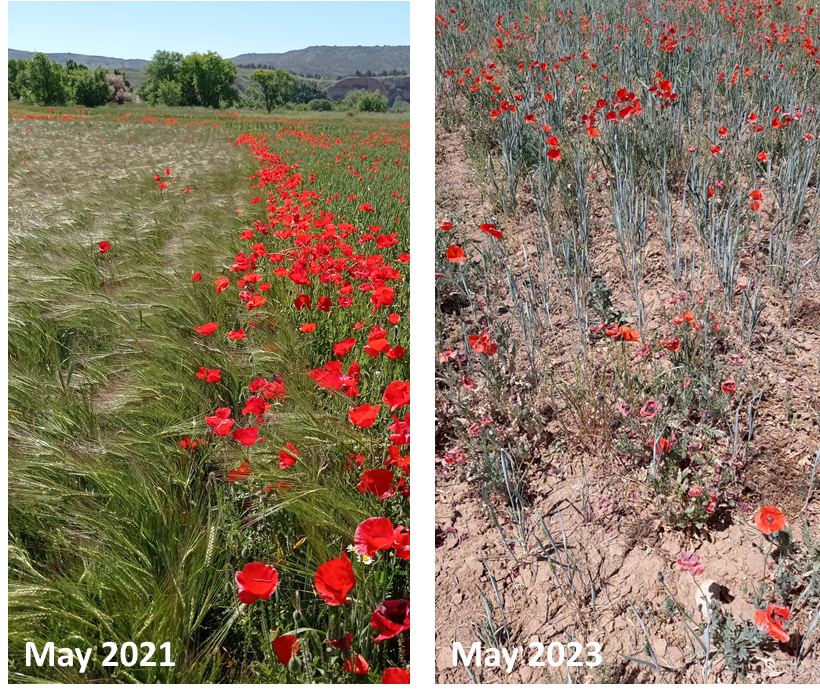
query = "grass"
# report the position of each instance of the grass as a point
(116, 533)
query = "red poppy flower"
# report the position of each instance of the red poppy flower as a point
(358, 665)
(237, 334)
(286, 646)
(221, 414)
(187, 444)
(456, 254)
(728, 386)
(196, 276)
(221, 422)
(255, 405)
(662, 447)
(446, 226)
(649, 409)
(491, 230)
(343, 347)
(256, 581)
(392, 617)
(763, 157)
(383, 296)
(673, 344)
(396, 353)
(288, 455)
(393, 318)
(401, 543)
(629, 335)
(365, 415)
(308, 327)
(376, 481)
(207, 329)
(756, 196)
(554, 154)
(302, 301)
(241, 473)
(769, 520)
(397, 394)
(401, 430)
(247, 436)
(374, 534)
(104, 247)
(344, 643)
(396, 675)
(334, 580)
(209, 375)
(689, 562)
(376, 346)
(613, 331)
(221, 284)
(482, 344)
(765, 620)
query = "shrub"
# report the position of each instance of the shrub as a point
(372, 102)
(91, 89)
(320, 105)
(120, 92)
(168, 92)
(400, 107)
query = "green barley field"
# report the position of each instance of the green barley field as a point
(130, 514)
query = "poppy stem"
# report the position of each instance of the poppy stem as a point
(759, 599)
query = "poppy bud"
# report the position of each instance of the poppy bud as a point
(295, 665)
(297, 616)
(660, 576)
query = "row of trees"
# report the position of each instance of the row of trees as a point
(174, 80)
(40, 80)
(208, 80)
(320, 76)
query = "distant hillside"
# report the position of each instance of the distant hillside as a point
(331, 61)
(90, 61)
(334, 60)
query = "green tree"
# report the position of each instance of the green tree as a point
(16, 66)
(211, 77)
(91, 88)
(373, 102)
(306, 90)
(148, 91)
(43, 81)
(71, 65)
(273, 87)
(164, 65)
(320, 105)
(169, 93)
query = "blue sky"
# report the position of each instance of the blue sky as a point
(137, 29)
